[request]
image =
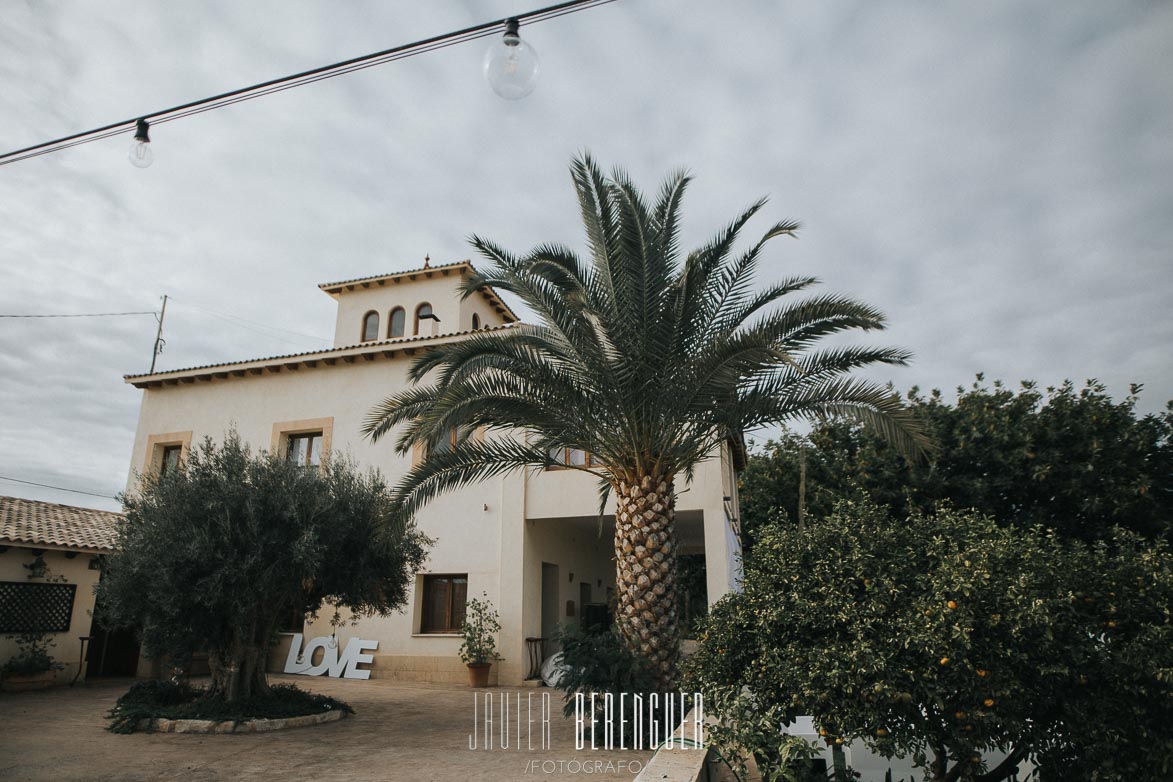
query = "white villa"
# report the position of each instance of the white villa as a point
(530, 541)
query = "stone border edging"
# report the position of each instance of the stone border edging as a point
(160, 725)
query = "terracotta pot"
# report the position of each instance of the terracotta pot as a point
(27, 682)
(478, 674)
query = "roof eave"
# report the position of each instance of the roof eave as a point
(95, 550)
(348, 354)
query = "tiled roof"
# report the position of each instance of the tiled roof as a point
(310, 357)
(461, 267)
(406, 272)
(59, 526)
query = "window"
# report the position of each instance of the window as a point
(423, 312)
(305, 449)
(304, 442)
(370, 326)
(166, 452)
(572, 457)
(443, 603)
(170, 463)
(446, 444)
(397, 321)
(476, 322)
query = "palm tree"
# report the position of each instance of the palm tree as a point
(648, 359)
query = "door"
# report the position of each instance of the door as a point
(550, 615)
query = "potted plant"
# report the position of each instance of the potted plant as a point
(31, 668)
(479, 631)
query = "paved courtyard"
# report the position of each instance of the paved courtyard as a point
(400, 731)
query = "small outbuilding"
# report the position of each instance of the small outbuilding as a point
(50, 562)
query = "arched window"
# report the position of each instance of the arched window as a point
(476, 321)
(398, 322)
(423, 312)
(370, 326)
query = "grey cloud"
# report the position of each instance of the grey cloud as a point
(996, 176)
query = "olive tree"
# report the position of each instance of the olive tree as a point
(214, 555)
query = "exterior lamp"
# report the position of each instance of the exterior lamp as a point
(511, 65)
(435, 321)
(38, 567)
(140, 153)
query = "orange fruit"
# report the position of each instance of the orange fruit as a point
(944, 661)
(981, 673)
(989, 702)
(952, 604)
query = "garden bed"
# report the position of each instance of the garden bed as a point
(166, 707)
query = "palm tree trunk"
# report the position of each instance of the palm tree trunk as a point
(645, 574)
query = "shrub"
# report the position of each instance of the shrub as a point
(479, 631)
(944, 638)
(180, 700)
(597, 661)
(33, 656)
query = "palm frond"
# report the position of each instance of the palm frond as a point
(645, 356)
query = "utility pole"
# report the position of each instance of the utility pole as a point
(159, 341)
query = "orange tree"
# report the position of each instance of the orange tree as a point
(953, 641)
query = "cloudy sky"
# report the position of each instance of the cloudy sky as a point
(998, 177)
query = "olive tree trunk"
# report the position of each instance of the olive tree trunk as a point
(238, 670)
(645, 574)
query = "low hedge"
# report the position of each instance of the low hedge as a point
(182, 701)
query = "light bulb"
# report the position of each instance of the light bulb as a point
(140, 153)
(511, 65)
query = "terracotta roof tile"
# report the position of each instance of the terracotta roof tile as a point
(60, 526)
(356, 349)
(371, 278)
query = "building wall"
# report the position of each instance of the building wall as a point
(482, 530)
(74, 570)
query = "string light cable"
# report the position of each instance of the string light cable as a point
(236, 320)
(86, 315)
(140, 150)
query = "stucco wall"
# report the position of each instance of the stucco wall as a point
(74, 571)
(480, 530)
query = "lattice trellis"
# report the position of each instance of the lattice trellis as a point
(35, 608)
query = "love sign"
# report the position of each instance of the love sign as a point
(300, 660)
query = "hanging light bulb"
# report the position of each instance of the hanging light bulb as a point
(511, 65)
(140, 153)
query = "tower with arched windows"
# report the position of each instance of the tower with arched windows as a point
(422, 302)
